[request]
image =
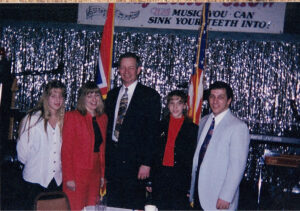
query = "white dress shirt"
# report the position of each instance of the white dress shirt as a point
(40, 152)
(130, 91)
(218, 119)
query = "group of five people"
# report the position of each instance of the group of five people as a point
(121, 145)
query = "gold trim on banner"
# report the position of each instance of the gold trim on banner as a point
(138, 1)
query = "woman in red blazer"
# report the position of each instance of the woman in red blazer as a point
(83, 148)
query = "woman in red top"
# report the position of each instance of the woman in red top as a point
(83, 148)
(173, 166)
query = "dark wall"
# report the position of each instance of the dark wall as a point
(292, 18)
(67, 13)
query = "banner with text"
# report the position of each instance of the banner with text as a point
(230, 17)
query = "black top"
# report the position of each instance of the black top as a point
(98, 136)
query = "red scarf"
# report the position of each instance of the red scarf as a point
(174, 127)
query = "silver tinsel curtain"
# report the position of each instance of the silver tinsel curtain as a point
(264, 75)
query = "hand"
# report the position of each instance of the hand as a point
(102, 186)
(223, 205)
(102, 182)
(149, 189)
(71, 185)
(144, 172)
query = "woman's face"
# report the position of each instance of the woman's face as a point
(55, 100)
(176, 106)
(92, 101)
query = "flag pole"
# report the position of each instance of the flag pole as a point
(195, 95)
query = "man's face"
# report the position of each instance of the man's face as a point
(128, 71)
(218, 101)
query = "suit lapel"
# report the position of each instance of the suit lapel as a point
(221, 127)
(135, 100)
(90, 128)
(114, 100)
(181, 133)
(201, 126)
(111, 107)
(164, 128)
(101, 122)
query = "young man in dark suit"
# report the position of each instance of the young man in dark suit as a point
(133, 117)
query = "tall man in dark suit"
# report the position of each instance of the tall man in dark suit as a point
(133, 117)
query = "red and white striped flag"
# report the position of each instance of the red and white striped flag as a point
(195, 95)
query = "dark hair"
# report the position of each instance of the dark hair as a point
(87, 88)
(178, 93)
(130, 55)
(183, 99)
(222, 85)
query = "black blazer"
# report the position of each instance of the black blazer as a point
(137, 135)
(185, 146)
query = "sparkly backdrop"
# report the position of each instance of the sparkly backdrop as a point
(264, 75)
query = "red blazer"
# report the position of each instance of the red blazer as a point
(78, 143)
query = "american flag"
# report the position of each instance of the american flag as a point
(106, 51)
(195, 93)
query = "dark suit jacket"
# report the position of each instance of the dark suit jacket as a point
(185, 145)
(138, 133)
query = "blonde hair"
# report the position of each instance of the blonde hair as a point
(87, 88)
(43, 107)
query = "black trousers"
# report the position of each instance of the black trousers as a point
(197, 205)
(169, 190)
(126, 193)
(32, 190)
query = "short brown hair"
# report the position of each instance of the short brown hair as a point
(222, 85)
(130, 55)
(183, 98)
(178, 93)
(87, 88)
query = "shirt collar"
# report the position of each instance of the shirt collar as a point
(131, 88)
(220, 116)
